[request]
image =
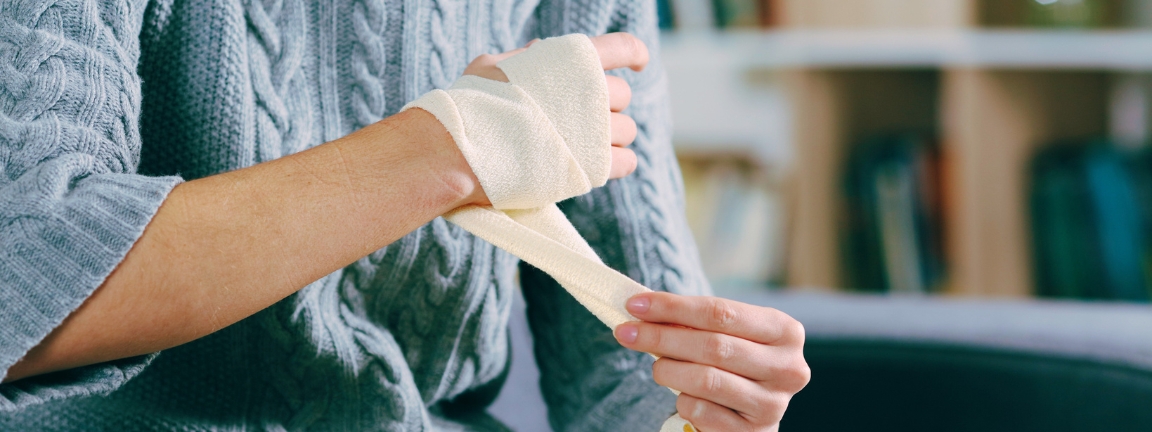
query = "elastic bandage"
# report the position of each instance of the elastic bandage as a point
(543, 137)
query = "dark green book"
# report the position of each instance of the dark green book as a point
(891, 221)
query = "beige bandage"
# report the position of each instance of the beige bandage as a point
(543, 137)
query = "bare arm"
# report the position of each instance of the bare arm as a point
(224, 247)
(227, 246)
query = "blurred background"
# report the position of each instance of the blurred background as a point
(953, 196)
(988, 148)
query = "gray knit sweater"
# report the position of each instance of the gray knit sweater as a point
(106, 105)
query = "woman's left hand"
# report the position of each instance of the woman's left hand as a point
(737, 365)
(617, 50)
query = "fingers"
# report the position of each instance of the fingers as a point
(623, 133)
(778, 368)
(496, 58)
(708, 416)
(623, 130)
(484, 65)
(619, 50)
(733, 354)
(619, 93)
(758, 324)
(623, 163)
(720, 387)
(616, 50)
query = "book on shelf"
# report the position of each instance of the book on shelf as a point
(719, 14)
(1091, 220)
(665, 16)
(737, 217)
(892, 224)
(1066, 14)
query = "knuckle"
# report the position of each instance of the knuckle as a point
(761, 408)
(718, 349)
(798, 331)
(695, 410)
(802, 374)
(791, 377)
(794, 329)
(662, 371)
(768, 409)
(722, 314)
(483, 61)
(651, 337)
(686, 406)
(774, 408)
(785, 329)
(634, 44)
(711, 382)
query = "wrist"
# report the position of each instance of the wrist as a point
(416, 143)
(447, 164)
(443, 161)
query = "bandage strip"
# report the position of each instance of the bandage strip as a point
(543, 137)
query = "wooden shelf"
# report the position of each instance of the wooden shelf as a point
(994, 122)
(912, 48)
(835, 109)
(799, 99)
(728, 87)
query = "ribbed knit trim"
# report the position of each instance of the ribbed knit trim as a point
(52, 261)
(98, 379)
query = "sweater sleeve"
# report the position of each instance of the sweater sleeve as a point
(71, 203)
(637, 226)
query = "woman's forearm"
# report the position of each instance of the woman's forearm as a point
(224, 247)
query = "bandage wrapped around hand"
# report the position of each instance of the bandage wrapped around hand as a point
(542, 137)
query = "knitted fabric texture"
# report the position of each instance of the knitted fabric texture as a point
(565, 121)
(106, 105)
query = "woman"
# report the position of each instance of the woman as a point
(229, 182)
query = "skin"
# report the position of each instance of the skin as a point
(737, 365)
(224, 247)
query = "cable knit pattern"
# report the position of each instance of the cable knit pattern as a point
(369, 60)
(104, 103)
(70, 204)
(275, 54)
(447, 61)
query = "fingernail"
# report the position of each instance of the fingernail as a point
(698, 410)
(639, 305)
(627, 333)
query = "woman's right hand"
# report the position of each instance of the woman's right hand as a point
(616, 50)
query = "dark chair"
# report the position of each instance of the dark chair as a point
(929, 364)
(920, 364)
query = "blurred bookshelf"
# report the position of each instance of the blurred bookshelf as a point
(775, 49)
(899, 145)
